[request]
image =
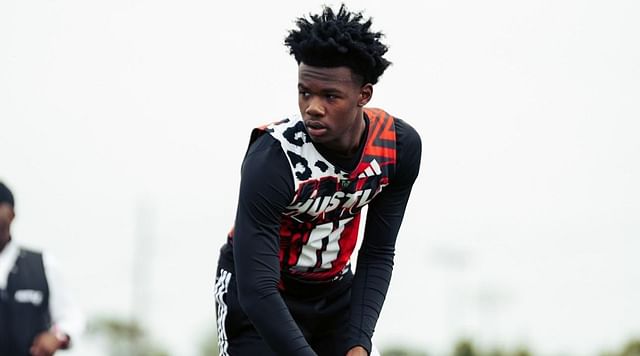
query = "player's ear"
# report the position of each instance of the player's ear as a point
(366, 92)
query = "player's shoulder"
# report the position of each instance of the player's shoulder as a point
(263, 142)
(265, 167)
(265, 156)
(409, 151)
(404, 131)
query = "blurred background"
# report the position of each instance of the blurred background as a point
(123, 125)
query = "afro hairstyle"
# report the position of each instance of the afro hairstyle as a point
(339, 39)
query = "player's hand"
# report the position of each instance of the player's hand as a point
(357, 351)
(45, 344)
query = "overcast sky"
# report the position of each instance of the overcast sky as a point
(130, 118)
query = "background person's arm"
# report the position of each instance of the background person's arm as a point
(67, 319)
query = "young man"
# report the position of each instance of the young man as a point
(37, 316)
(284, 284)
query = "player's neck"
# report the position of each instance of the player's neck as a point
(352, 140)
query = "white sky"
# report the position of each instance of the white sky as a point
(524, 226)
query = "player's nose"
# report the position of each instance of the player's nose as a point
(315, 108)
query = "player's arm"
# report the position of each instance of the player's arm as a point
(375, 259)
(266, 189)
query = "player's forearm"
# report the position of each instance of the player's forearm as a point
(375, 263)
(257, 275)
(261, 301)
(370, 286)
(272, 319)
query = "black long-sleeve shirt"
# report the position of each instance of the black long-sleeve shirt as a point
(266, 189)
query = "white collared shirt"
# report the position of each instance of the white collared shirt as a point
(65, 313)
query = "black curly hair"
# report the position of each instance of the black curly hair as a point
(339, 39)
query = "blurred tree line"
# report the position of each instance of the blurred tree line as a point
(121, 337)
(124, 337)
(463, 347)
(632, 348)
(467, 348)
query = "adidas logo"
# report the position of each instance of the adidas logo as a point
(372, 170)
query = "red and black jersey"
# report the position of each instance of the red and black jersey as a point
(298, 214)
(319, 228)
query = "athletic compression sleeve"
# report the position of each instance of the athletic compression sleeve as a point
(375, 259)
(265, 191)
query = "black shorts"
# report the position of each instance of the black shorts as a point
(321, 310)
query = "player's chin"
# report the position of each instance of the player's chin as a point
(319, 135)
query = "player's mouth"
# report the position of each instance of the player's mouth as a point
(315, 128)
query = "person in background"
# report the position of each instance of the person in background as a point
(37, 314)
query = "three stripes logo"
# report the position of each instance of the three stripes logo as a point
(372, 170)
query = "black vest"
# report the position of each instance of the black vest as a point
(24, 305)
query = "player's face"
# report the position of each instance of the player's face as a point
(331, 101)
